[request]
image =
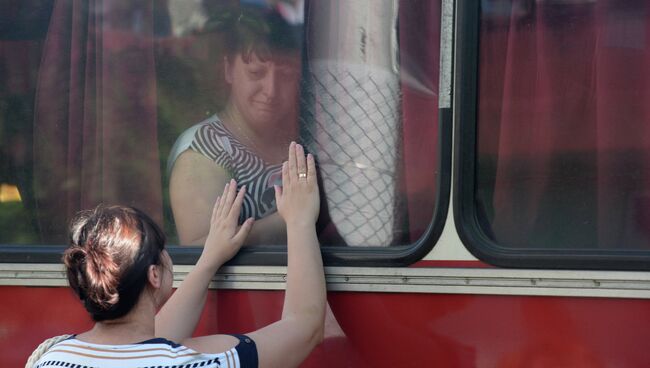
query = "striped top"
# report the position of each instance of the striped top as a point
(154, 353)
(213, 140)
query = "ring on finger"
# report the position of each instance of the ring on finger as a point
(302, 175)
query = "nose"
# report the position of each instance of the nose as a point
(270, 85)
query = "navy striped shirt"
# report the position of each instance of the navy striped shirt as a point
(154, 353)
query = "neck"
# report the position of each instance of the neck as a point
(271, 144)
(138, 325)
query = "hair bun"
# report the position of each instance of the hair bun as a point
(111, 249)
(102, 274)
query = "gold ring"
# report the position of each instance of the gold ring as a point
(302, 175)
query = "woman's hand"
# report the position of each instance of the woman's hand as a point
(225, 237)
(178, 317)
(298, 200)
(289, 341)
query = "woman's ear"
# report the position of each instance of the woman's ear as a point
(154, 276)
(227, 70)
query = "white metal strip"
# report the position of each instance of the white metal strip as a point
(612, 284)
(446, 53)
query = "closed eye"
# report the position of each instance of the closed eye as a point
(256, 73)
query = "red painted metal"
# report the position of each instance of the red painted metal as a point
(390, 329)
(29, 315)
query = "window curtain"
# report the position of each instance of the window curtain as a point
(563, 132)
(95, 131)
(419, 37)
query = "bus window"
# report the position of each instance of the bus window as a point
(101, 103)
(562, 133)
(371, 82)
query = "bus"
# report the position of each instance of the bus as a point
(482, 165)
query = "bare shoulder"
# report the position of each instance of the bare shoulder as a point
(192, 193)
(212, 344)
(189, 159)
(194, 167)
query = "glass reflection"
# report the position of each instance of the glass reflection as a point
(94, 95)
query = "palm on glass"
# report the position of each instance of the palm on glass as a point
(226, 237)
(298, 200)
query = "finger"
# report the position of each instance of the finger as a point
(311, 169)
(286, 178)
(278, 193)
(301, 167)
(215, 209)
(230, 197)
(235, 209)
(243, 231)
(293, 171)
(222, 200)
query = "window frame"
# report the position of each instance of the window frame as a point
(276, 255)
(464, 175)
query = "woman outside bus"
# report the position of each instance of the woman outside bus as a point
(248, 139)
(118, 267)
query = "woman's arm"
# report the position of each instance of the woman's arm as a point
(287, 342)
(268, 230)
(178, 317)
(194, 185)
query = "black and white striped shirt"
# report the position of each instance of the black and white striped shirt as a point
(211, 139)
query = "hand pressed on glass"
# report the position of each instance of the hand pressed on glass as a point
(298, 199)
(226, 237)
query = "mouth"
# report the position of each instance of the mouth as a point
(263, 106)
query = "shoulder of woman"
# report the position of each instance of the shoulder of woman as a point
(181, 145)
(201, 134)
(212, 344)
(198, 166)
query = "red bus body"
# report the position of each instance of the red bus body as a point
(386, 329)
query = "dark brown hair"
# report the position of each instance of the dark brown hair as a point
(111, 249)
(253, 29)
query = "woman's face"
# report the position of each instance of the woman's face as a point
(264, 93)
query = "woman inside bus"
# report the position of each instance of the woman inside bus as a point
(120, 270)
(247, 141)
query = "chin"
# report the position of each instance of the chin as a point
(266, 122)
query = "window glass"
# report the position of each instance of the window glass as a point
(158, 104)
(563, 133)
